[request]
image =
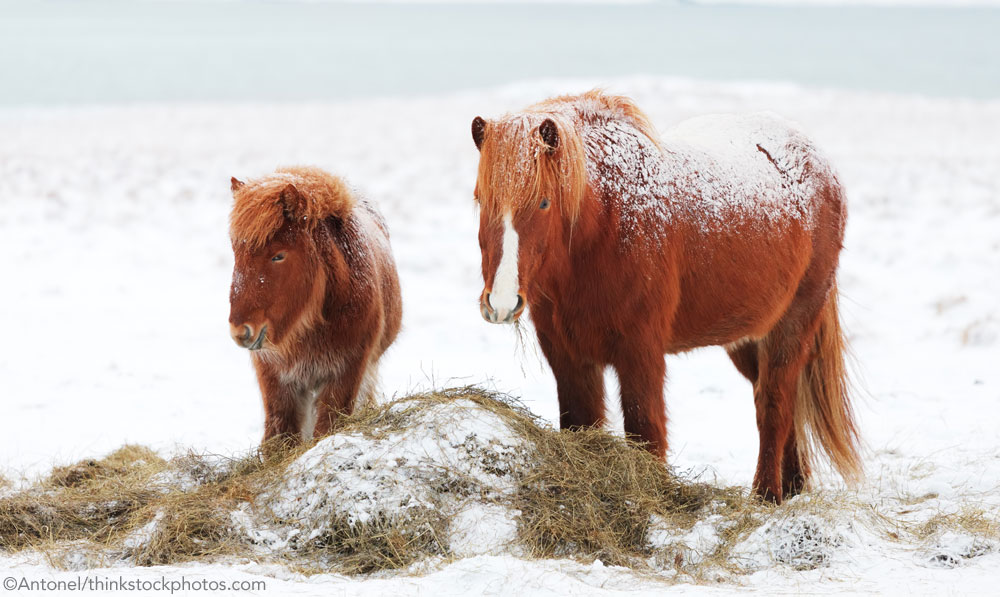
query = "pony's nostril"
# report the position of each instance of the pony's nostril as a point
(243, 334)
(520, 303)
(486, 309)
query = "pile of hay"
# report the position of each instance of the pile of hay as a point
(434, 476)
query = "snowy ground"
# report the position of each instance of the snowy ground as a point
(117, 269)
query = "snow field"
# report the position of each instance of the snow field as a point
(114, 228)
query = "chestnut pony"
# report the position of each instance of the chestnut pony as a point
(626, 246)
(315, 296)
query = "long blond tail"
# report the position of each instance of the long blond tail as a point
(824, 418)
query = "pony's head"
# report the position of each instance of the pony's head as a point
(279, 283)
(531, 179)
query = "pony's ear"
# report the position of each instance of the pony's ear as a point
(478, 131)
(550, 134)
(236, 184)
(290, 199)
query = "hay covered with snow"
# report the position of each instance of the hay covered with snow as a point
(429, 475)
(444, 475)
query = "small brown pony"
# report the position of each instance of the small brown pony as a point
(315, 296)
(626, 246)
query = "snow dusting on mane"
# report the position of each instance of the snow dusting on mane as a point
(517, 168)
(263, 205)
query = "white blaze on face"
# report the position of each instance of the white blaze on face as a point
(503, 297)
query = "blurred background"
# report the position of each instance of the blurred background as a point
(99, 51)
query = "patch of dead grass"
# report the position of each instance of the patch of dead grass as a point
(93, 500)
(971, 520)
(582, 494)
(380, 544)
(593, 495)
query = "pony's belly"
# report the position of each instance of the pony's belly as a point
(716, 306)
(737, 298)
(731, 329)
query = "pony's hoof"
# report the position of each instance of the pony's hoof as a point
(768, 496)
(278, 446)
(793, 488)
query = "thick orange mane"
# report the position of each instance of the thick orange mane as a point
(300, 193)
(516, 167)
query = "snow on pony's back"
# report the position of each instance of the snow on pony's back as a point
(746, 166)
(717, 169)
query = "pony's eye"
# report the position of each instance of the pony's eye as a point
(278, 257)
(544, 204)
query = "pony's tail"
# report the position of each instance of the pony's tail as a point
(824, 418)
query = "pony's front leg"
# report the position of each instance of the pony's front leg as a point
(337, 397)
(641, 375)
(579, 385)
(282, 412)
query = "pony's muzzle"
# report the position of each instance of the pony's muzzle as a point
(501, 315)
(244, 336)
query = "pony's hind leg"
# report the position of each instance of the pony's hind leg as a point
(782, 356)
(774, 399)
(369, 387)
(793, 472)
(744, 356)
(641, 379)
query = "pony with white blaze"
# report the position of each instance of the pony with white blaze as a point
(626, 246)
